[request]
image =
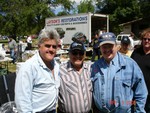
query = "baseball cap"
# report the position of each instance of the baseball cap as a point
(125, 40)
(61, 32)
(77, 36)
(107, 38)
(77, 46)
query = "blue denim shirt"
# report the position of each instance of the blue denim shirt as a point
(118, 86)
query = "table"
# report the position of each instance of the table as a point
(62, 56)
(4, 65)
(28, 54)
(60, 52)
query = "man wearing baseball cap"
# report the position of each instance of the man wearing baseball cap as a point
(125, 45)
(118, 82)
(75, 94)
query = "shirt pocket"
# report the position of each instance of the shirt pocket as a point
(126, 84)
(96, 77)
(71, 87)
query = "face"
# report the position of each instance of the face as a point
(125, 46)
(47, 50)
(108, 51)
(146, 41)
(83, 39)
(77, 57)
(10, 39)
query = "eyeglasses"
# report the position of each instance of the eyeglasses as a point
(49, 46)
(146, 39)
(81, 53)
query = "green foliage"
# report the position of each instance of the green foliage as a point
(120, 11)
(145, 7)
(62, 13)
(86, 6)
(25, 17)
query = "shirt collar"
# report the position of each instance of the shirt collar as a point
(70, 67)
(117, 61)
(41, 63)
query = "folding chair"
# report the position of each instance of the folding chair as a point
(7, 93)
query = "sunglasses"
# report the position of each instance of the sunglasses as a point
(146, 39)
(81, 53)
(76, 44)
(49, 46)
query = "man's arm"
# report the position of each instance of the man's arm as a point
(140, 91)
(23, 90)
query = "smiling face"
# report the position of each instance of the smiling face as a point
(146, 41)
(108, 51)
(77, 58)
(47, 50)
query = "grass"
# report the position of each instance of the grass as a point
(4, 69)
(12, 67)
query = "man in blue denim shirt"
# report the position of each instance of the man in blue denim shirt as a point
(118, 83)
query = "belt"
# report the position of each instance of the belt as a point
(59, 111)
(53, 111)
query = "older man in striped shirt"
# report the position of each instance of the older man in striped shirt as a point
(75, 94)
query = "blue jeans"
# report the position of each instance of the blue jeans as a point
(13, 55)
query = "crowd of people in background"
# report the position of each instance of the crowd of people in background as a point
(15, 47)
(117, 82)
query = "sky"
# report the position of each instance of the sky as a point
(58, 9)
(77, 1)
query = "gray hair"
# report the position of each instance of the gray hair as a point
(46, 34)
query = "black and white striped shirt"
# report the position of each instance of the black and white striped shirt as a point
(75, 94)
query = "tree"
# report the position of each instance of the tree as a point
(86, 6)
(25, 17)
(62, 13)
(145, 7)
(120, 11)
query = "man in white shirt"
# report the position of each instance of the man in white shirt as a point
(37, 81)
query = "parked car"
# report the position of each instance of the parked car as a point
(134, 42)
(5, 37)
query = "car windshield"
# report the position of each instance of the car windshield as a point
(119, 38)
